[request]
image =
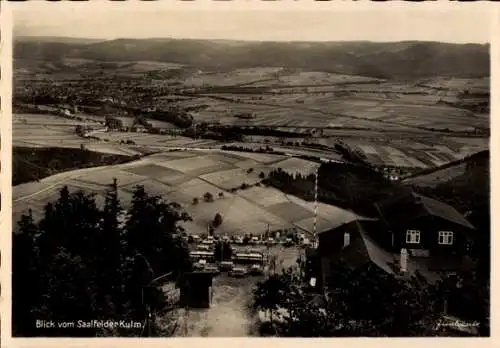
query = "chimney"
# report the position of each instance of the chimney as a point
(403, 261)
(347, 239)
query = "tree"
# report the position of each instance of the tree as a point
(221, 194)
(250, 170)
(110, 249)
(152, 230)
(271, 294)
(67, 263)
(217, 220)
(262, 175)
(196, 201)
(208, 197)
(24, 266)
(364, 302)
(395, 307)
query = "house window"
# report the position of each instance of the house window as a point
(412, 236)
(445, 237)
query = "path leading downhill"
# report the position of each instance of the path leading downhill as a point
(229, 314)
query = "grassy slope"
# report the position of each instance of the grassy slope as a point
(420, 177)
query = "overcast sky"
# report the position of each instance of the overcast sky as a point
(460, 26)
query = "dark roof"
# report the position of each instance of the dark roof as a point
(362, 249)
(397, 210)
(443, 210)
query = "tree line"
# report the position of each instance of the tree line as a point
(365, 302)
(82, 262)
(346, 185)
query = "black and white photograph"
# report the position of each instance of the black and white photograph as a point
(182, 173)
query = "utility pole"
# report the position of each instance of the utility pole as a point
(315, 208)
(186, 308)
(268, 256)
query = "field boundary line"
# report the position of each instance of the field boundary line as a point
(20, 199)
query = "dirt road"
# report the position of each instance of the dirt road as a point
(229, 314)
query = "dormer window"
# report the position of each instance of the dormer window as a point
(445, 238)
(412, 236)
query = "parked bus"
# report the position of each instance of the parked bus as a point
(196, 255)
(249, 258)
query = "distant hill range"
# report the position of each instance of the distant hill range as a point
(410, 59)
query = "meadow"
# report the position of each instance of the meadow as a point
(184, 176)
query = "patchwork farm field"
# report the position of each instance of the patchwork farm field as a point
(176, 176)
(308, 78)
(127, 121)
(453, 83)
(37, 130)
(272, 77)
(419, 153)
(406, 147)
(238, 77)
(330, 110)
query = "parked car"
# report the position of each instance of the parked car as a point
(255, 240)
(211, 269)
(238, 272)
(203, 247)
(288, 242)
(271, 241)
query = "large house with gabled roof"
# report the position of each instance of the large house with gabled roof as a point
(413, 234)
